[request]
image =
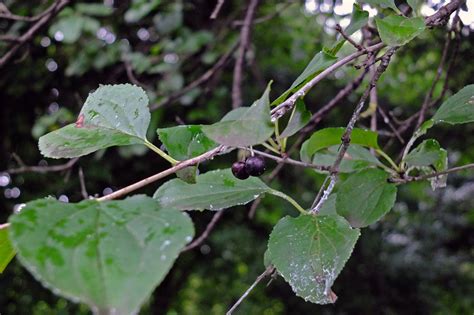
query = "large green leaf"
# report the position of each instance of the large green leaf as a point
(458, 109)
(309, 252)
(213, 190)
(245, 126)
(320, 62)
(382, 4)
(6, 249)
(355, 158)
(429, 157)
(109, 255)
(186, 141)
(365, 197)
(299, 118)
(397, 30)
(328, 137)
(112, 115)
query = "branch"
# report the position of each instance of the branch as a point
(183, 164)
(427, 176)
(10, 16)
(287, 160)
(346, 137)
(42, 169)
(202, 79)
(217, 9)
(442, 16)
(239, 63)
(82, 183)
(51, 12)
(267, 272)
(198, 241)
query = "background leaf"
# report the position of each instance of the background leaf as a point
(458, 109)
(299, 118)
(186, 141)
(109, 255)
(309, 252)
(112, 115)
(328, 137)
(365, 197)
(244, 126)
(6, 249)
(397, 30)
(213, 190)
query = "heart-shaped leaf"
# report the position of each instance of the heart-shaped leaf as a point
(245, 126)
(112, 115)
(365, 197)
(213, 190)
(309, 252)
(109, 255)
(397, 30)
(298, 119)
(328, 137)
(6, 249)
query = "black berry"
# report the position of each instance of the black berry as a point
(238, 169)
(255, 165)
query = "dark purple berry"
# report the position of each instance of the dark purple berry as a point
(255, 165)
(238, 169)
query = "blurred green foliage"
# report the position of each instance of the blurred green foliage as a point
(417, 260)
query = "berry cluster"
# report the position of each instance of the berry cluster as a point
(252, 166)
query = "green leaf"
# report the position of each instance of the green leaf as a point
(186, 141)
(416, 5)
(139, 9)
(397, 30)
(70, 26)
(309, 252)
(382, 3)
(328, 137)
(320, 62)
(365, 197)
(299, 118)
(429, 157)
(94, 9)
(329, 206)
(356, 158)
(458, 109)
(112, 115)
(250, 126)
(213, 190)
(6, 249)
(109, 255)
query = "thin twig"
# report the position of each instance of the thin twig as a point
(183, 164)
(346, 137)
(10, 16)
(42, 169)
(198, 241)
(267, 272)
(201, 80)
(56, 7)
(427, 176)
(82, 182)
(287, 160)
(217, 9)
(239, 63)
(4, 226)
(346, 37)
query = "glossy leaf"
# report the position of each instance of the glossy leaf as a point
(109, 255)
(365, 197)
(245, 126)
(213, 190)
(6, 249)
(310, 252)
(328, 137)
(320, 62)
(383, 4)
(186, 141)
(112, 115)
(356, 158)
(299, 118)
(397, 30)
(458, 109)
